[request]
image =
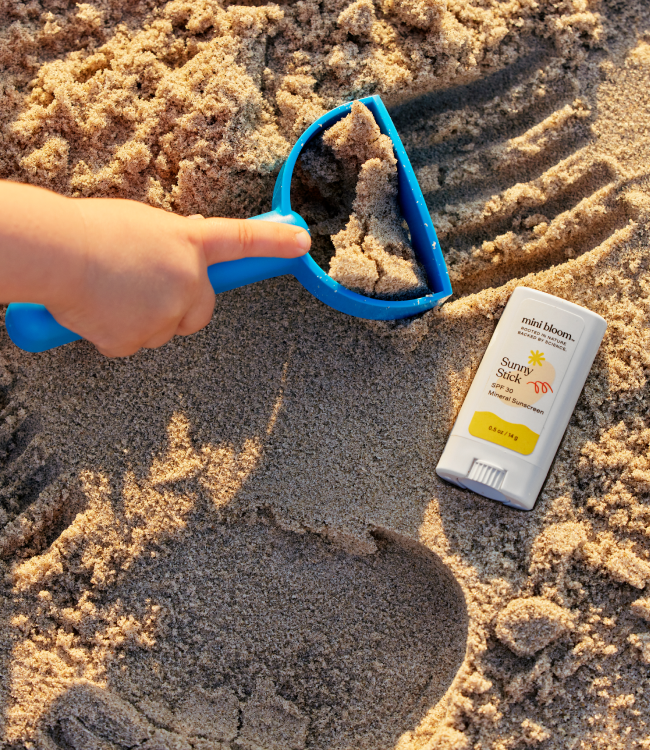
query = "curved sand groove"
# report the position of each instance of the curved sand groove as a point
(478, 145)
(302, 645)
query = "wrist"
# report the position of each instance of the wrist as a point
(66, 256)
(39, 245)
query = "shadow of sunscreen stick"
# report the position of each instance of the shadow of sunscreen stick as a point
(520, 402)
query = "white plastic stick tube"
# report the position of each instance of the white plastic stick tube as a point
(520, 402)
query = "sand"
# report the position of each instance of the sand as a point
(372, 254)
(239, 540)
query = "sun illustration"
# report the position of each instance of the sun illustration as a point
(536, 357)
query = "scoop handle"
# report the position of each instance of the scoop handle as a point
(33, 328)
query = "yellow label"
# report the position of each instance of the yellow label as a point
(517, 437)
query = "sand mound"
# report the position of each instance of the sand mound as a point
(528, 625)
(372, 254)
(157, 515)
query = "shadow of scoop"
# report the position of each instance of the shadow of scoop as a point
(265, 638)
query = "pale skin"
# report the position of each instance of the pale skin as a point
(122, 274)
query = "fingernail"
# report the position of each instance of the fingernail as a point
(302, 240)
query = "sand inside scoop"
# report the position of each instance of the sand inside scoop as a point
(373, 254)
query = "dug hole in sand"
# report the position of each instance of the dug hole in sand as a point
(239, 540)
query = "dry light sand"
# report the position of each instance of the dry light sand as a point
(238, 542)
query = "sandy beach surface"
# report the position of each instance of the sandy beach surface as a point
(238, 541)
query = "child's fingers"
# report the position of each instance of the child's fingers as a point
(231, 239)
(200, 314)
(160, 337)
(197, 317)
(121, 349)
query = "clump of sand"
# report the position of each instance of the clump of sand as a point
(528, 625)
(373, 254)
(239, 541)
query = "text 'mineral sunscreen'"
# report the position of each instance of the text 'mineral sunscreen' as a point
(520, 402)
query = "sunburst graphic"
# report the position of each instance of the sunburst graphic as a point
(536, 357)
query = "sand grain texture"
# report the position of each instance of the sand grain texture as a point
(372, 254)
(239, 540)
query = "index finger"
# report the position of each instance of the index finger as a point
(231, 239)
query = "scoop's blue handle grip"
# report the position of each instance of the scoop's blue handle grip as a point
(33, 328)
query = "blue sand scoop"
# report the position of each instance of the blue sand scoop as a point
(33, 328)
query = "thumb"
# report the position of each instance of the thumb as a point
(231, 239)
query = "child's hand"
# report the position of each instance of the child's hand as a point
(122, 274)
(144, 275)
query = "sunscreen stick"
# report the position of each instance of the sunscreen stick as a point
(520, 402)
